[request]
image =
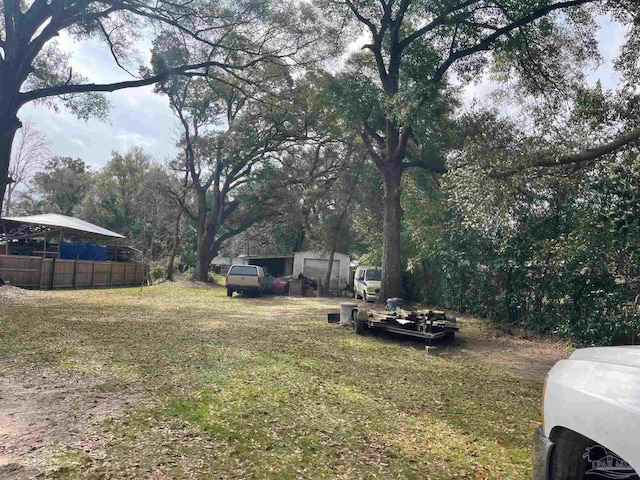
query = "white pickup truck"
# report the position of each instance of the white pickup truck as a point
(591, 417)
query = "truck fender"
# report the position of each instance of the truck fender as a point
(600, 401)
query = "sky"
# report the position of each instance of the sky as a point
(138, 117)
(141, 118)
(610, 37)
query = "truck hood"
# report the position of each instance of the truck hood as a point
(628, 355)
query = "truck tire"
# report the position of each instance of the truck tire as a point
(229, 292)
(567, 461)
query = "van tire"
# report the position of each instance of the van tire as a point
(229, 292)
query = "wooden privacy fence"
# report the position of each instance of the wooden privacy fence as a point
(50, 273)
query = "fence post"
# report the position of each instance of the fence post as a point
(111, 274)
(75, 271)
(124, 274)
(135, 274)
(41, 273)
(93, 274)
(53, 273)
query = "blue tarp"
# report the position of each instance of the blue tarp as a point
(82, 251)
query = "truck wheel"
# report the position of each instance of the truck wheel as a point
(567, 461)
(229, 292)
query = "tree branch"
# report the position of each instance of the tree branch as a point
(439, 21)
(111, 87)
(485, 44)
(582, 157)
(107, 36)
(377, 159)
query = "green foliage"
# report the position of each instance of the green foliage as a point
(217, 278)
(156, 271)
(127, 197)
(568, 266)
(62, 185)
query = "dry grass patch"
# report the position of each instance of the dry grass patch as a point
(182, 381)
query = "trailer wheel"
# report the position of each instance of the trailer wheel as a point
(358, 326)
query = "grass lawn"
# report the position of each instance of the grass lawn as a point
(180, 381)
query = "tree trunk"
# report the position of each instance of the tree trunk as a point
(9, 125)
(207, 250)
(392, 225)
(202, 266)
(204, 259)
(327, 279)
(174, 247)
(7, 203)
(425, 281)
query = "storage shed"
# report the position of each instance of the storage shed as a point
(314, 264)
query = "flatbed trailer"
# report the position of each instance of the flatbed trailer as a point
(430, 325)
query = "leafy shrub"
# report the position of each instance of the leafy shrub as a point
(568, 268)
(156, 271)
(217, 278)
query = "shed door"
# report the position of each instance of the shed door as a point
(314, 268)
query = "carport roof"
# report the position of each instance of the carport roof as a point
(16, 225)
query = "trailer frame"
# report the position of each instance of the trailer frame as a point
(430, 325)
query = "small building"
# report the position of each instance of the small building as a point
(57, 251)
(277, 264)
(314, 264)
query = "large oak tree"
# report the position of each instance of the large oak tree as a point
(34, 69)
(414, 48)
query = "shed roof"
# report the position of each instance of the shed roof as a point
(55, 220)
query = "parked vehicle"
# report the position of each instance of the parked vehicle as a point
(246, 279)
(366, 283)
(591, 417)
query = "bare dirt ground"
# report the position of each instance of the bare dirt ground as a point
(9, 295)
(43, 412)
(525, 355)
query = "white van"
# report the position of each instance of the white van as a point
(366, 283)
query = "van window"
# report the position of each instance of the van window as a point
(373, 275)
(246, 270)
